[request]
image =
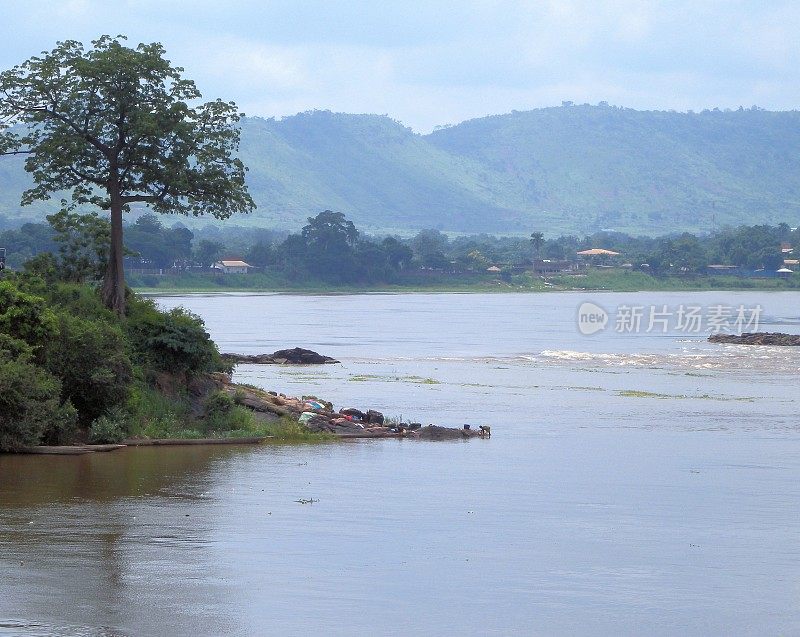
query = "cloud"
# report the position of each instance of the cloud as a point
(246, 66)
(428, 62)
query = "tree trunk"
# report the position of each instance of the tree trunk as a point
(114, 279)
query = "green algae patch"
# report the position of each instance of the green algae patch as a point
(635, 393)
(417, 380)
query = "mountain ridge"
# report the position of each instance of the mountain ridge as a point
(560, 169)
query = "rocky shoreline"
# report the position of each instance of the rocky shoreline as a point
(318, 415)
(312, 413)
(757, 338)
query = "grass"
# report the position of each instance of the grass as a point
(629, 281)
(154, 415)
(613, 280)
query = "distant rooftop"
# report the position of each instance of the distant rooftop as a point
(234, 264)
(598, 251)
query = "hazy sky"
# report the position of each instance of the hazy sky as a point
(436, 61)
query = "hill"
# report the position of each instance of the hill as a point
(564, 169)
(606, 167)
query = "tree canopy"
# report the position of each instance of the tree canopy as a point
(114, 126)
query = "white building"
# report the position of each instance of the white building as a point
(231, 267)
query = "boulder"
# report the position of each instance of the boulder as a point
(294, 356)
(435, 432)
(757, 338)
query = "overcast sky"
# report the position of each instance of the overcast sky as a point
(437, 61)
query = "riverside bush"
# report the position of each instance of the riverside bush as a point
(174, 341)
(109, 428)
(90, 359)
(70, 369)
(30, 406)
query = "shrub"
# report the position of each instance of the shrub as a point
(154, 415)
(25, 316)
(111, 427)
(29, 405)
(174, 341)
(223, 414)
(90, 359)
(290, 430)
(81, 300)
(219, 404)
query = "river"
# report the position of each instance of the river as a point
(638, 481)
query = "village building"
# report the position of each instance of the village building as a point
(598, 252)
(231, 266)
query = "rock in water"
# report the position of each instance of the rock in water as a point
(434, 432)
(295, 356)
(757, 338)
(300, 356)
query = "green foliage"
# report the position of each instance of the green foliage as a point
(80, 300)
(329, 250)
(289, 430)
(152, 414)
(113, 126)
(43, 266)
(26, 240)
(219, 404)
(90, 359)
(113, 120)
(25, 316)
(30, 408)
(158, 246)
(84, 242)
(110, 428)
(66, 371)
(174, 341)
(208, 251)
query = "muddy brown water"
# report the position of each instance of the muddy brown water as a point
(634, 484)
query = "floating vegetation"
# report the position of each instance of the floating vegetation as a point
(419, 380)
(635, 393)
(308, 501)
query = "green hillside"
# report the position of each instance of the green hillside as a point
(379, 173)
(607, 167)
(566, 169)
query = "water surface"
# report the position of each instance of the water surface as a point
(634, 484)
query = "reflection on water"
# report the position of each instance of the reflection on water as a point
(641, 485)
(83, 525)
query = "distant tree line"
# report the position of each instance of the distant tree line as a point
(331, 250)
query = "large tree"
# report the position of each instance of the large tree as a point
(117, 126)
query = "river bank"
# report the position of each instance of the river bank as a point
(594, 280)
